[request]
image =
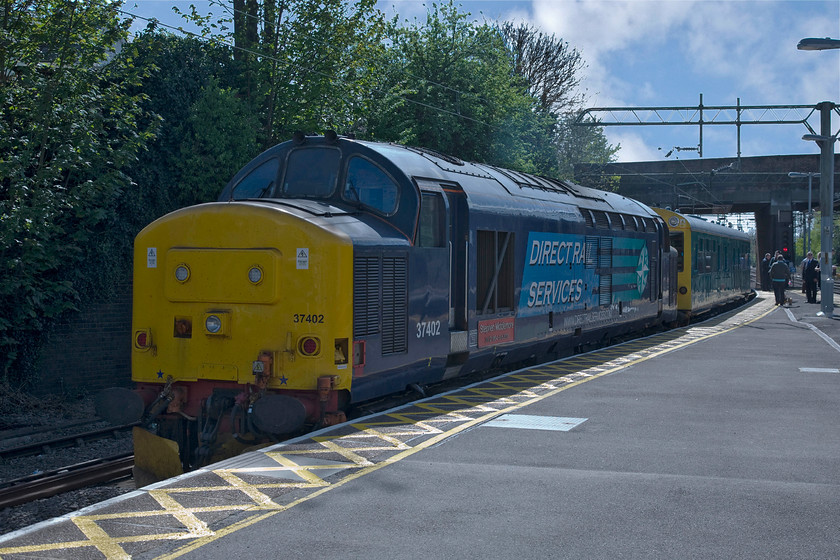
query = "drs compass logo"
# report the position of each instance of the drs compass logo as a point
(642, 270)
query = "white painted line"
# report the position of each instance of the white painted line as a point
(818, 370)
(528, 422)
(821, 334)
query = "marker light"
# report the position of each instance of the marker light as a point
(255, 275)
(213, 324)
(182, 273)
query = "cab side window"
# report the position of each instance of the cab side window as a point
(431, 229)
(370, 186)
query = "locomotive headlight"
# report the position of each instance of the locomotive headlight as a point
(213, 324)
(182, 273)
(255, 275)
(217, 323)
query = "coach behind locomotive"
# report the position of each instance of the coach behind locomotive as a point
(713, 263)
(333, 271)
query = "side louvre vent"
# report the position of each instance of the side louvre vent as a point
(365, 296)
(605, 265)
(380, 301)
(394, 312)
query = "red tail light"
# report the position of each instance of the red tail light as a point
(309, 346)
(142, 339)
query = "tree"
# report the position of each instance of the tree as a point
(551, 70)
(218, 137)
(450, 86)
(550, 67)
(68, 129)
(305, 64)
(205, 131)
(584, 144)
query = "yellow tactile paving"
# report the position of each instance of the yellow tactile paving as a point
(203, 506)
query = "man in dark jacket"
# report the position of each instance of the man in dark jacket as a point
(764, 269)
(810, 277)
(780, 276)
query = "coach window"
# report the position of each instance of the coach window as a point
(370, 186)
(677, 243)
(311, 172)
(258, 182)
(431, 229)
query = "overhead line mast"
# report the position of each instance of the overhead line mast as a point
(700, 115)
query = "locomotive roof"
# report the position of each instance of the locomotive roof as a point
(483, 182)
(485, 185)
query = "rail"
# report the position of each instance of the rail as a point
(45, 485)
(73, 440)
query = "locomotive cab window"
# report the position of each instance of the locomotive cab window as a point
(369, 186)
(259, 182)
(311, 172)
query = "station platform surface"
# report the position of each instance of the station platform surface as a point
(719, 440)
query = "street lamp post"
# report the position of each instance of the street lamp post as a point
(810, 176)
(826, 144)
(825, 140)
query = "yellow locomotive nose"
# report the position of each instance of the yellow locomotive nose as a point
(241, 280)
(236, 302)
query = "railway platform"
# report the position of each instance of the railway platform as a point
(719, 440)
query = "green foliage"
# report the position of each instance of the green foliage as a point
(205, 132)
(585, 144)
(68, 127)
(217, 139)
(451, 86)
(321, 67)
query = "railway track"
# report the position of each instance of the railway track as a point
(51, 483)
(80, 468)
(71, 440)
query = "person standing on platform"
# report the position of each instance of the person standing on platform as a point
(764, 272)
(810, 277)
(780, 276)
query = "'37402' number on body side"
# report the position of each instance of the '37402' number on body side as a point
(428, 328)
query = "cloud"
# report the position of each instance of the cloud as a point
(633, 146)
(666, 53)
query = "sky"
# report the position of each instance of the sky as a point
(655, 53)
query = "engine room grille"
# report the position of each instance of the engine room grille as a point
(380, 300)
(394, 313)
(365, 296)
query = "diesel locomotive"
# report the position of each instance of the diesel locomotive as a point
(332, 271)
